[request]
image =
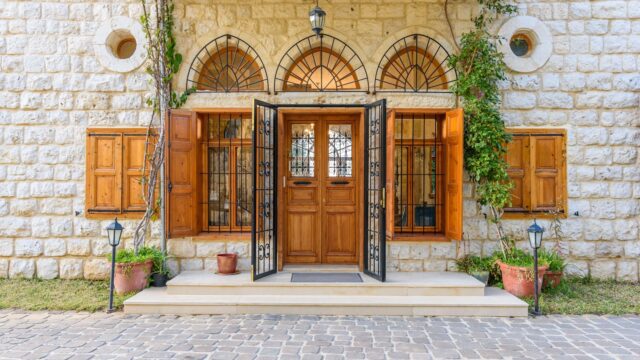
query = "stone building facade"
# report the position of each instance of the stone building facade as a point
(54, 85)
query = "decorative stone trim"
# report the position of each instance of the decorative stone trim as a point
(113, 44)
(541, 43)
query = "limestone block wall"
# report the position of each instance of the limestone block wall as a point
(52, 87)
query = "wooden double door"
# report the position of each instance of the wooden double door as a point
(321, 189)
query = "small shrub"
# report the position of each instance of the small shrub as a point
(553, 259)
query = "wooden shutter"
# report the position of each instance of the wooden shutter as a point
(454, 148)
(181, 173)
(547, 159)
(517, 158)
(104, 167)
(133, 157)
(390, 181)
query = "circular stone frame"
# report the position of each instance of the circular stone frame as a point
(116, 28)
(541, 47)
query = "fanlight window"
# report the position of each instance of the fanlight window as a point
(227, 64)
(416, 63)
(321, 63)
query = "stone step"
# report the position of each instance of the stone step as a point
(495, 302)
(397, 284)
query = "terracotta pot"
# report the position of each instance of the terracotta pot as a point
(552, 279)
(227, 263)
(519, 280)
(132, 277)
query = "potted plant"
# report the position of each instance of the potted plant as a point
(227, 263)
(132, 271)
(516, 268)
(553, 275)
(159, 272)
(475, 266)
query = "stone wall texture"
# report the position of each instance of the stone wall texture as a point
(52, 87)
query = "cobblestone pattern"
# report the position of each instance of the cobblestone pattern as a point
(52, 87)
(118, 336)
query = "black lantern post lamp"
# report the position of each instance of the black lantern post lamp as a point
(535, 240)
(317, 16)
(114, 232)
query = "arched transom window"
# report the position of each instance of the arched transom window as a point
(416, 63)
(227, 64)
(322, 63)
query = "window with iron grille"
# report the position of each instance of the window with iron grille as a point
(418, 173)
(226, 172)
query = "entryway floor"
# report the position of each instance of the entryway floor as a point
(424, 294)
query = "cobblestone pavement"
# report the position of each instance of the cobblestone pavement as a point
(67, 335)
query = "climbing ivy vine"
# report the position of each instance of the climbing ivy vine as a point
(163, 64)
(481, 68)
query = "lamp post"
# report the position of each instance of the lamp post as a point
(535, 240)
(114, 233)
(316, 17)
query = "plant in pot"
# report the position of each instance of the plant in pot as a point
(227, 263)
(159, 271)
(132, 271)
(475, 266)
(553, 275)
(516, 267)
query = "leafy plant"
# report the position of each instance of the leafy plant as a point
(553, 259)
(480, 69)
(159, 258)
(518, 257)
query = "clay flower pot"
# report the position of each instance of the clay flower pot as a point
(552, 279)
(131, 277)
(519, 280)
(227, 263)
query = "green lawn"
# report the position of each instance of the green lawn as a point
(577, 296)
(76, 295)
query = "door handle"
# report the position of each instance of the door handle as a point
(339, 183)
(302, 183)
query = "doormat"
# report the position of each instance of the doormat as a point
(325, 277)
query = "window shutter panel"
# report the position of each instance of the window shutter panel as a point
(517, 158)
(454, 152)
(133, 157)
(546, 172)
(181, 173)
(104, 167)
(390, 181)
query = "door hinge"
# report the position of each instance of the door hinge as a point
(170, 186)
(383, 198)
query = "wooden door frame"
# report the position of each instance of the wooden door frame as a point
(282, 113)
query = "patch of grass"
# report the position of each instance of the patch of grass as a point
(74, 295)
(578, 296)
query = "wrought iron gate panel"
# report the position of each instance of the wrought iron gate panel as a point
(374, 188)
(264, 225)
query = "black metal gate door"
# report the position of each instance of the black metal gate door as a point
(374, 189)
(264, 225)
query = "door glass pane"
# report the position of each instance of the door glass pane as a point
(423, 186)
(219, 186)
(417, 127)
(340, 145)
(302, 151)
(244, 195)
(229, 126)
(401, 171)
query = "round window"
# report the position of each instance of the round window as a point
(122, 44)
(521, 45)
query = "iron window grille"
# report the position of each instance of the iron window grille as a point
(418, 174)
(227, 64)
(227, 172)
(323, 63)
(416, 63)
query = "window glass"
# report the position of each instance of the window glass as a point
(340, 145)
(219, 186)
(401, 202)
(244, 194)
(302, 151)
(229, 126)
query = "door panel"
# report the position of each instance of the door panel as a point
(321, 190)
